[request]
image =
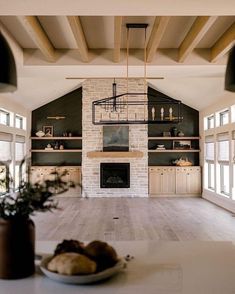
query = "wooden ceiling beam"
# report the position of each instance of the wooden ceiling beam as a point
(117, 38)
(199, 28)
(156, 35)
(76, 27)
(224, 44)
(38, 35)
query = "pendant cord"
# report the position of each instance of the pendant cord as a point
(145, 59)
(127, 58)
(127, 68)
(145, 69)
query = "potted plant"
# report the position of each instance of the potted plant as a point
(17, 230)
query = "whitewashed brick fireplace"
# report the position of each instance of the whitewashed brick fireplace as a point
(94, 89)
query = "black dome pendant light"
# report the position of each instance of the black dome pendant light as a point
(230, 72)
(8, 82)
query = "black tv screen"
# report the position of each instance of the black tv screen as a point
(115, 138)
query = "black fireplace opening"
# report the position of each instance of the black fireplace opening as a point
(114, 175)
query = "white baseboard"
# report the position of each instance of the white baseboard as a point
(219, 200)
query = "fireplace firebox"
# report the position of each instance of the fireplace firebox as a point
(114, 175)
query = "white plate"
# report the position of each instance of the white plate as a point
(81, 279)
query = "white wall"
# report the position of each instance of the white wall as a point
(225, 101)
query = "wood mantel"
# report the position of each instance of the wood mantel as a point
(115, 154)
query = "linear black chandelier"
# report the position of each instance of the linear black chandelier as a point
(135, 108)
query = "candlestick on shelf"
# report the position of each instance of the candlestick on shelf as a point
(153, 113)
(162, 113)
(170, 113)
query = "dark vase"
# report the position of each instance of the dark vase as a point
(17, 243)
(174, 132)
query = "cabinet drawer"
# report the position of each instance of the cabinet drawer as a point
(188, 169)
(162, 169)
(156, 169)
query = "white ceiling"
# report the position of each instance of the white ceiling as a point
(117, 7)
(197, 82)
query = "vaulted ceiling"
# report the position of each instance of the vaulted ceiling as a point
(186, 54)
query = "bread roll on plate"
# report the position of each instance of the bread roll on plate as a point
(72, 264)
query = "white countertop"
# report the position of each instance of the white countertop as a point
(157, 268)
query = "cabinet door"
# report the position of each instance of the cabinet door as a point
(72, 174)
(75, 177)
(36, 175)
(168, 181)
(48, 173)
(41, 174)
(155, 181)
(188, 180)
(181, 180)
(194, 180)
(63, 172)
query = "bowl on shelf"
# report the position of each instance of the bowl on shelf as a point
(160, 146)
(40, 134)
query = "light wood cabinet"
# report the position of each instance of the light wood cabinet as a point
(174, 181)
(162, 180)
(73, 174)
(188, 180)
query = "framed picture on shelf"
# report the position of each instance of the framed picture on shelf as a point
(166, 134)
(48, 130)
(182, 144)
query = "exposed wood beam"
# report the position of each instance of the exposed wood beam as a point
(224, 44)
(117, 38)
(36, 32)
(199, 28)
(157, 32)
(76, 27)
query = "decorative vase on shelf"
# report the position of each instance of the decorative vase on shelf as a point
(17, 245)
(180, 134)
(174, 132)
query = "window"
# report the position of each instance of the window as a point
(210, 122)
(233, 164)
(5, 158)
(223, 161)
(10, 162)
(209, 162)
(224, 179)
(5, 147)
(3, 184)
(233, 113)
(19, 156)
(211, 176)
(18, 122)
(224, 117)
(4, 117)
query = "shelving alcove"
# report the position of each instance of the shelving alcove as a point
(168, 143)
(168, 180)
(52, 140)
(70, 155)
(45, 162)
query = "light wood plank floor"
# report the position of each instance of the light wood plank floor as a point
(168, 219)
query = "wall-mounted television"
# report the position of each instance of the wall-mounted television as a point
(115, 138)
